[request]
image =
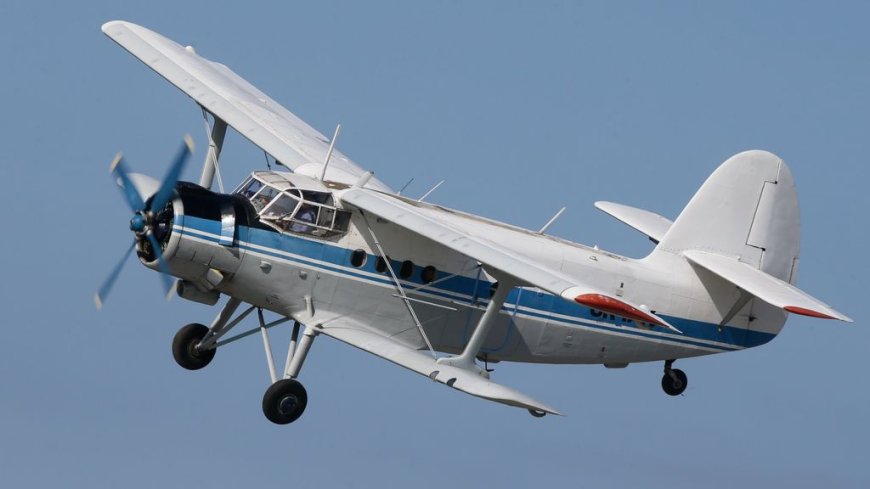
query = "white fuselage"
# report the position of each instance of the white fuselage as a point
(313, 280)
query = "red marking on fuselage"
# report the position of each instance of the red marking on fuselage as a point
(807, 312)
(615, 306)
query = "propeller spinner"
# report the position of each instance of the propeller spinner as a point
(151, 218)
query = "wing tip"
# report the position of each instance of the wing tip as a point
(816, 314)
(98, 301)
(107, 26)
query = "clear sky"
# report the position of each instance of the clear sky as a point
(522, 108)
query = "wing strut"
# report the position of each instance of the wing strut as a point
(398, 284)
(216, 135)
(329, 151)
(465, 360)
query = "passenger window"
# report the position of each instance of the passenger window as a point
(358, 258)
(428, 274)
(407, 269)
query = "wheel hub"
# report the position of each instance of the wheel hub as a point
(287, 405)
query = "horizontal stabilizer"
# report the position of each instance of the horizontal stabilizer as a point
(649, 223)
(766, 287)
(422, 363)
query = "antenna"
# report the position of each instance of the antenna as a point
(405, 186)
(552, 220)
(329, 153)
(430, 191)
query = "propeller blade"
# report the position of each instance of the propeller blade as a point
(161, 265)
(103, 291)
(131, 194)
(165, 192)
(145, 185)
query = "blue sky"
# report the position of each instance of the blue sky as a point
(522, 108)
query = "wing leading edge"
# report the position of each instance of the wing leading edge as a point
(241, 105)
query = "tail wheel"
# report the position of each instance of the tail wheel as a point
(184, 349)
(674, 382)
(284, 401)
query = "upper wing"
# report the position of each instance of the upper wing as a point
(766, 287)
(649, 223)
(357, 335)
(523, 269)
(241, 105)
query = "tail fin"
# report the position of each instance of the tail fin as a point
(746, 209)
(743, 226)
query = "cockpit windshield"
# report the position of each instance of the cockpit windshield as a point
(290, 204)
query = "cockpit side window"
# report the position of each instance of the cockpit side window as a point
(281, 208)
(318, 197)
(304, 219)
(288, 208)
(251, 188)
(263, 197)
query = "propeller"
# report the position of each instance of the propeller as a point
(148, 223)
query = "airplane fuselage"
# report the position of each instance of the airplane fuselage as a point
(315, 280)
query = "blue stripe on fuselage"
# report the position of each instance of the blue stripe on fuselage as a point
(466, 289)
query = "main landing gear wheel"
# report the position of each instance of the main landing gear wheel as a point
(184, 347)
(284, 401)
(674, 381)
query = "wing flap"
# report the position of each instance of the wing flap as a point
(523, 269)
(417, 361)
(649, 223)
(766, 287)
(241, 105)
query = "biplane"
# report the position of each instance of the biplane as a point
(330, 248)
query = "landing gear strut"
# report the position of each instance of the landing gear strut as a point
(674, 381)
(284, 402)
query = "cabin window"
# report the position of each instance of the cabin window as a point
(381, 265)
(407, 269)
(428, 274)
(358, 258)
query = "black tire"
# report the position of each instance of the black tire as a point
(536, 413)
(184, 347)
(675, 387)
(284, 401)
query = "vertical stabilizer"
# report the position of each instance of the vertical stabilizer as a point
(747, 209)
